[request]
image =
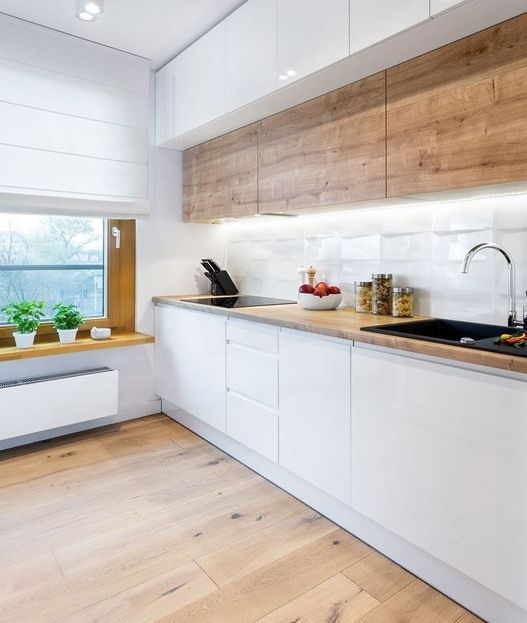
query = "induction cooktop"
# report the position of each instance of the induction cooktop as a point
(239, 301)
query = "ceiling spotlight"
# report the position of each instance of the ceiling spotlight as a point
(291, 72)
(282, 77)
(88, 10)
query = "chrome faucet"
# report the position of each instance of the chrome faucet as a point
(513, 320)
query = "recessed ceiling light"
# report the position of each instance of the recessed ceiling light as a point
(291, 72)
(282, 77)
(88, 10)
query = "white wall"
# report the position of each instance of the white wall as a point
(422, 244)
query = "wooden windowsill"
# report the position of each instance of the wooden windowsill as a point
(83, 343)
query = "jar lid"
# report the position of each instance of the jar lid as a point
(382, 276)
(362, 284)
(403, 290)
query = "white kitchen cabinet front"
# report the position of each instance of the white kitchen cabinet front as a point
(190, 90)
(251, 52)
(373, 21)
(438, 458)
(190, 362)
(312, 34)
(438, 6)
(314, 430)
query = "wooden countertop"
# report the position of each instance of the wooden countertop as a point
(81, 344)
(345, 323)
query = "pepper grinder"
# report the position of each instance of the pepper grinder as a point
(311, 272)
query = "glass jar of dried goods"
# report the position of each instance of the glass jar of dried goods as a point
(381, 294)
(363, 297)
(403, 303)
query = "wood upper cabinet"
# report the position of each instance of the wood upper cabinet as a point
(456, 117)
(220, 177)
(329, 150)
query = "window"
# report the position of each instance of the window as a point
(71, 260)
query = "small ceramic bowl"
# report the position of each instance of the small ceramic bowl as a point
(100, 333)
(310, 301)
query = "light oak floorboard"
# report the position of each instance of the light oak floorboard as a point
(145, 522)
(378, 575)
(417, 603)
(234, 561)
(335, 600)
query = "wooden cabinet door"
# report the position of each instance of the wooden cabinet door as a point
(315, 420)
(329, 150)
(456, 116)
(220, 177)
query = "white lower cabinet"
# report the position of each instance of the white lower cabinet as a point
(190, 362)
(439, 458)
(315, 389)
(253, 425)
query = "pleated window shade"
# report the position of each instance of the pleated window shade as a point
(74, 119)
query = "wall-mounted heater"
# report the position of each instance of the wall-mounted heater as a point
(42, 403)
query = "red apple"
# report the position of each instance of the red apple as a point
(320, 291)
(306, 288)
(334, 290)
(322, 284)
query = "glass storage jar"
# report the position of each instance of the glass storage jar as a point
(381, 294)
(403, 303)
(363, 297)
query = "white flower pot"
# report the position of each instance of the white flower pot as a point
(67, 336)
(24, 340)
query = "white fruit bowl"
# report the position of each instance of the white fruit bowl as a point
(311, 301)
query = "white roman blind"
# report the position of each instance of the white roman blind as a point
(73, 125)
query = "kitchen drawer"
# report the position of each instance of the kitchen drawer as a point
(253, 373)
(253, 425)
(253, 334)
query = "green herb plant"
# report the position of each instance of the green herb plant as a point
(66, 317)
(25, 315)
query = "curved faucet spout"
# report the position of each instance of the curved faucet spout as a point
(513, 321)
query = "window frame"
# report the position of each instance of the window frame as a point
(120, 288)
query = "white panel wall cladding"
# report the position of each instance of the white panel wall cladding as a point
(74, 116)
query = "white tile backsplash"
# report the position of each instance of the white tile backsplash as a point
(422, 244)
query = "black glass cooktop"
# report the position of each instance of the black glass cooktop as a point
(239, 301)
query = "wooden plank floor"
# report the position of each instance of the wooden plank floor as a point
(147, 523)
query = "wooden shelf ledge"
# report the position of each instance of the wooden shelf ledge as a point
(81, 344)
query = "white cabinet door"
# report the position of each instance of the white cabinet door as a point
(438, 6)
(372, 21)
(251, 52)
(314, 430)
(312, 34)
(190, 362)
(439, 457)
(200, 81)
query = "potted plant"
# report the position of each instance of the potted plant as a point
(67, 320)
(26, 316)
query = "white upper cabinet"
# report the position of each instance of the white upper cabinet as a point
(312, 34)
(251, 52)
(199, 74)
(373, 21)
(438, 6)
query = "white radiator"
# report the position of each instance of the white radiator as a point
(42, 403)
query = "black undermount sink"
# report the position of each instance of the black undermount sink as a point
(480, 336)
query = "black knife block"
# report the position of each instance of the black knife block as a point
(223, 284)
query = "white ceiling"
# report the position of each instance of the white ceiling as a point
(155, 29)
